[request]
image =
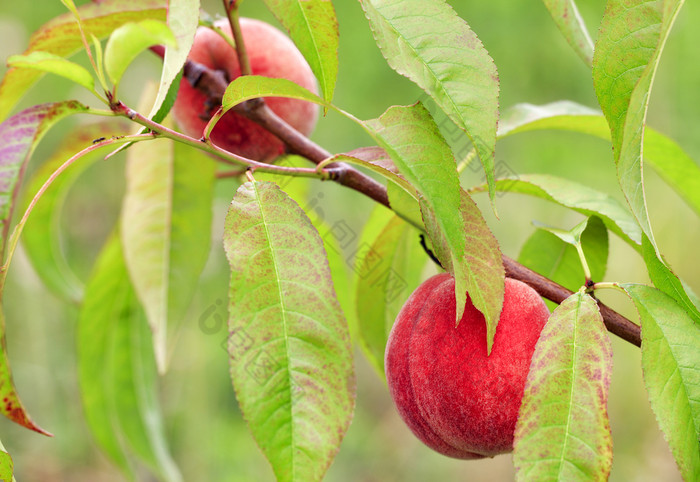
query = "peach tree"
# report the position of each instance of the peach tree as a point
(295, 310)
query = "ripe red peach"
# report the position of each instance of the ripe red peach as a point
(456, 399)
(271, 54)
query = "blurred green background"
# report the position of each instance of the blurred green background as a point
(208, 436)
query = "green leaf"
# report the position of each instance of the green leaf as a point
(674, 166)
(183, 20)
(481, 265)
(299, 188)
(666, 280)
(70, 6)
(413, 141)
(248, 87)
(289, 346)
(61, 37)
(578, 197)
(168, 101)
(662, 153)
(7, 466)
(129, 40)
(313, 26)
(568, 19)
(563, 114)
(54, 64)
(427, 42)
(19, 136)
(253, 86)
(563, 431)
(387, 270)
(41, 236)
(546, 254)
(166, 225)
(117, 371)
(627, 54)
(571, 237)
(671, 367)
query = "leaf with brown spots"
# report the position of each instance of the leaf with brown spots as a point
(289, 346)
(563, 431)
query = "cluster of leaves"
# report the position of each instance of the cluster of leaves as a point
(290, 325)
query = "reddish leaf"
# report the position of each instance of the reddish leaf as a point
(19, 135)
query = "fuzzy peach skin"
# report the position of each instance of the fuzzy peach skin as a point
(271, 54)
(453, 397)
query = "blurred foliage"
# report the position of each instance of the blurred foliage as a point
(208, 436)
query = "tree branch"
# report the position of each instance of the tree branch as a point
(614, 322)
(213, 84)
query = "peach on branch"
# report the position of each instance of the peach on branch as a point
(271, 54)
(456, 399)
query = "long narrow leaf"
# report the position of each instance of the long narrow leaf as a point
(627, 53)
(563, 431)
(662, 153)
(481, 265)
(313, 26)
(166, 219)
(568, 19)
(19, 135)
(426, 41)
(183, 20)
(578, 197)
(54, 64)
(289, 346)
(117, 370)
(412, 139)
(671, 366)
